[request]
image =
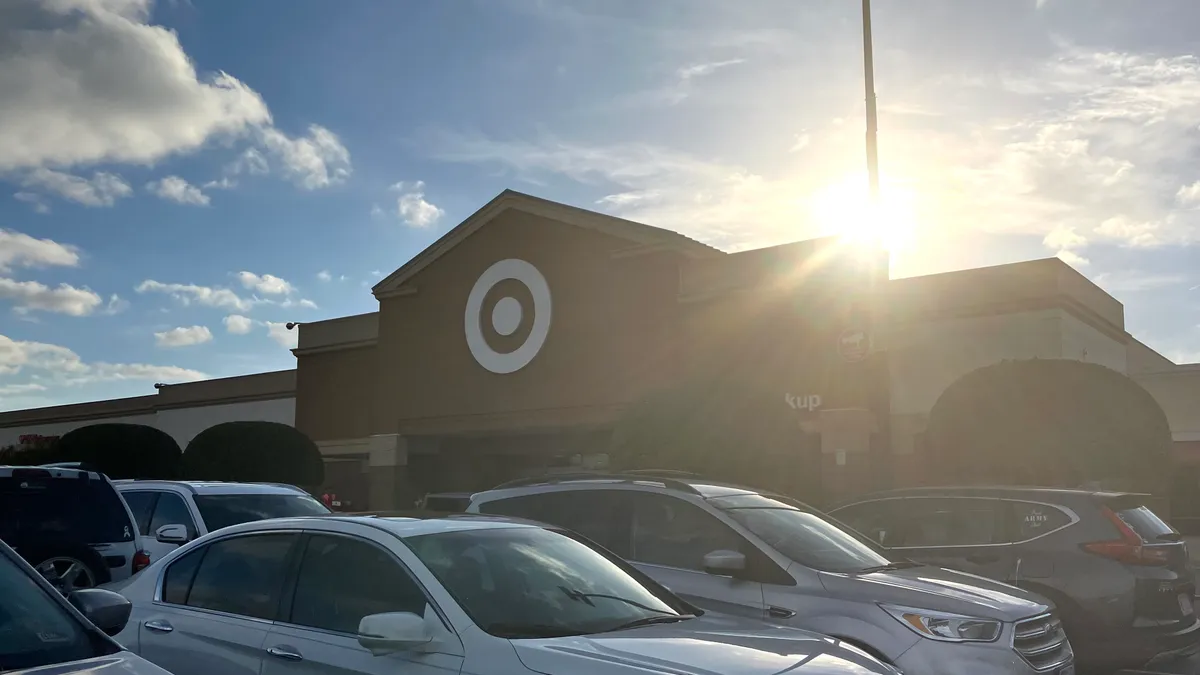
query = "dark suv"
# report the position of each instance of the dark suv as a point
(1119, 575)
(70, 524)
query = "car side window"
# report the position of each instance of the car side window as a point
(951, 522)
(177, 581)
(591, 513)
(1028, 520)
(673, 533)
(141, 504)
(341, 580)
(243, 575)
(874, 520)
(171, 510)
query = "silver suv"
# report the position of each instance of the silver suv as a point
(173, 512)
(736, 550)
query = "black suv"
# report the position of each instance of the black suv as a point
(1120, 576)
(70, 524)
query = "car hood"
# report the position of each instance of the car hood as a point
(703, 646)
(121, 663)
(940, 589)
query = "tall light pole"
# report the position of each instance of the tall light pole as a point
(872, 113)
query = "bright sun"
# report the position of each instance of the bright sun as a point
(844, 208)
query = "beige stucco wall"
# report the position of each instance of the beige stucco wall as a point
(1178, 392)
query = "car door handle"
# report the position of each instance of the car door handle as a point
(159, 626)
(285, 653)
(780, 613)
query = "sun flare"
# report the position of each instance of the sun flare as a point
(844, 208)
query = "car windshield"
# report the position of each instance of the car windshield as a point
(220, 511)
(35, 504)
(35, 630)
(808, 537)
(526, 582)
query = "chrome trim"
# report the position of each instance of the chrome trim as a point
(1051, 621)
(1069, 513)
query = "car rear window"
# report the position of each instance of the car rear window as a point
(74, 509)
(1145, 522)
(220, 511)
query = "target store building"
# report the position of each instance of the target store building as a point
(512, 345)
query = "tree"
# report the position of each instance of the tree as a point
(1049, 421)
(122, 450)
(724, 426)
(254, 452)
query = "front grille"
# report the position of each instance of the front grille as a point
(1042, 642)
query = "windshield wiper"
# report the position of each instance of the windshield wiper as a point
(651, 620)
(581, 596)
(897, 565)
(530, 630)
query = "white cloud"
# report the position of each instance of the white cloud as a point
(102, 189)
(1071, 258)
(30, 296)
(225, 183)
(314, 161)
(703, 69)
(91, 81)
(1189, 194)
(208, 296)
(324, 275)
(298, 302)
(412, 207)
(802, 141)
(266, 283)
(55, 364)
(176, 189)
(21, 250)
(281, 335)
(183, 336)
(116, 305)
(238, 324)
(1134, 281)
(33, 199)
(251, 162)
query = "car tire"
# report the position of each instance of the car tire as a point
(67, 566)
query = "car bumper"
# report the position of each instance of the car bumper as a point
(929, 657)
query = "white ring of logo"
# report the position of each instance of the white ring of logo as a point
(533, 280)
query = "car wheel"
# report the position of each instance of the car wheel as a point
(70, 568)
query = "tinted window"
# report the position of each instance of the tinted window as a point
(141, 503)
(220, 511)
(1147, 524)
(178, 579)
(951, 522)
(171, 510)
(342, 580)
(526, 582)
(1029, 520)
(809, 538)
(43, 507)
(243, 575)
(671, 532)
(588, 512)
(874, 520)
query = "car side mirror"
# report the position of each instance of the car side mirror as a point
(395, 632)
(171, 534)
(724, 563)
(107, 610)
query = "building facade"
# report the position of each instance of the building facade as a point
(514, 343)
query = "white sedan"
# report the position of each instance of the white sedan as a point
(465, 594)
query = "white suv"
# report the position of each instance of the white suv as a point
(170, 513)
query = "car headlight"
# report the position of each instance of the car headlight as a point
(945, 626)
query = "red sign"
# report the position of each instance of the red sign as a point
(30, 439)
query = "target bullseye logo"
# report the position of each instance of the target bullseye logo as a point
(507, 315)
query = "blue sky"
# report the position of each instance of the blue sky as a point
(178, 179)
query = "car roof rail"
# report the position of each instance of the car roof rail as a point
(662, 473)
(556, 478)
